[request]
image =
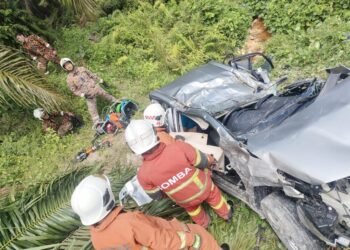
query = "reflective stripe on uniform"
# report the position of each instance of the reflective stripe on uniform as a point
(152, 191)
(197, 194)
(195, 212)
(197, 242)
(198, 183)
(182, 236)
(201, 160)
(195, 180)
(183, 185)
(198, 158)
(222, 202)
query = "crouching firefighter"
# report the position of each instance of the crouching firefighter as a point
(177, 170)
(113, 228)
(60, 122)
(155, 114)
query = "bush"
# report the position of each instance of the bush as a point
(160, 41)
(285, 16)
(109, 6)
(14, 21)
(309, 52)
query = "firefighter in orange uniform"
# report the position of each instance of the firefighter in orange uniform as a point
(155, 114)
(177, 170)
(113, 228)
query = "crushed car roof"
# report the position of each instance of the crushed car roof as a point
(312, 145)
(214, 87)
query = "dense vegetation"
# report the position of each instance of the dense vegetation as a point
(137, 46)
(284, 16)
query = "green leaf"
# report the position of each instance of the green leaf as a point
(22, 84)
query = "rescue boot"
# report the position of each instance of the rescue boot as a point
(232, 209)
(225, 246)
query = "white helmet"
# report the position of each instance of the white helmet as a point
(140, 136)
(93, 199)
(64, 61)
(39, 113)
(155, 114)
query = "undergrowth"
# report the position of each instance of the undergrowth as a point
(146, 47)
(308, 53)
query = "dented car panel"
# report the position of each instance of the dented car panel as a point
(292, 170)
(214, 87)
(314, 144)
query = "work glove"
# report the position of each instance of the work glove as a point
(197, 242)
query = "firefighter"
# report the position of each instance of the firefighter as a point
(39, 50)
(85, 84)
(61, 122)
(177, 170)
(155, 114)
(113, 228)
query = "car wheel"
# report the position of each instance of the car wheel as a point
(281, 213)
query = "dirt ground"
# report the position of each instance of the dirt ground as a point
(117, 153)
(258, 35)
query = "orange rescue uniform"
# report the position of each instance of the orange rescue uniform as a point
(137, 231)
(180, 171)
(164, 136)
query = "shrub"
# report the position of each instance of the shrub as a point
(168, 39)
(285, 16)
(310, 52)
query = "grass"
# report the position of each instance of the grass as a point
(135, 59)
(242, 232)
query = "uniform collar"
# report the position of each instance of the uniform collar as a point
(75, 70)
(153, 154)
(107, 220)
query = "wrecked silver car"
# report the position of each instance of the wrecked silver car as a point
(286, 150)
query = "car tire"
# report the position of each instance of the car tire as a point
(281, 213)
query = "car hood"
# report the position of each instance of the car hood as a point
(314, 144)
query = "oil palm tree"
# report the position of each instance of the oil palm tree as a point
(42, 218)
(88, 8)
(22, 84)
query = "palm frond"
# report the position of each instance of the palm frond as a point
(44, 219)
(89, 8)
(80, 239)
(22, 84)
